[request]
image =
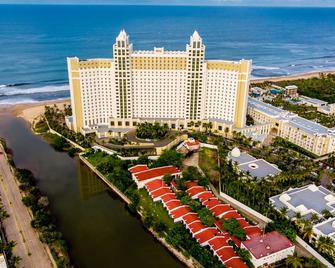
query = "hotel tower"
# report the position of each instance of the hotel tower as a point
(179, 88)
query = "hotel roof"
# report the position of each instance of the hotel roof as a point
(156, 172)
(306, 200)
(267, 244)
(293, 119)
(326, 228)
(258, 168)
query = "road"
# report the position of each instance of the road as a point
(28, 246)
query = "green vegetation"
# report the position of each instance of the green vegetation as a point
(169, 157)
(233, 228)
(43, 220)
(154, 210)
(321, 87)
(56, 119)
(41, 126)
(7, 248)
(152, 131)
(154, 215)
(181, 239)
(12, 260)
(59, 143)
(250, 121)
(208, 162)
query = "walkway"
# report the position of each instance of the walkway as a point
(29, 247)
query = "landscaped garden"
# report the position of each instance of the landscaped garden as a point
(154, 215)
(152, 131)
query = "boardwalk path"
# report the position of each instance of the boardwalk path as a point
(29, 247)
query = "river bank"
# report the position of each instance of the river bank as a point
(91, 217)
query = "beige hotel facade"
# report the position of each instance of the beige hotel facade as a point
(179, 88)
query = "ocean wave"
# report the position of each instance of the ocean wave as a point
(12, 91)
(258, 67)
(14, 101)
(17, 101)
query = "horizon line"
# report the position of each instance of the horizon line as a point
(164, 4)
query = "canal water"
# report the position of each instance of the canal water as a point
(97, 226)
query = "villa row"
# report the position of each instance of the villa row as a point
(264, 248)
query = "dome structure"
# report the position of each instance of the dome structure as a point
(235, 152)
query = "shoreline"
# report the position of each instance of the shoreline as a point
(29, 111)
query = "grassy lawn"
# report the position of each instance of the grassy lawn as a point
(155, 208)
(41, 126)
(208, 160)
(97, 158)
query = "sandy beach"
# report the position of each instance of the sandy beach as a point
(30, 111)
(290, 77)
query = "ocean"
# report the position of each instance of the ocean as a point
(36, 39)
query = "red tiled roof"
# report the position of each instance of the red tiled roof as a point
(235, 263)
(220, 209)
(236, 241)
(191, 184)
(218, 242)
(264, 245)
(168, 197)
(205, 235)
(191, 217)
(138, 168)
(195, 190)
(196, 227)
(211, 203)
(160, 192)
(226, 253)
(173, 204)
(218, 225)
(179, 212)
(253, 231)
(231, 215)
(192, 143)
(243, 223)
(173, 184)
(205, 196)
(154, 185)
(156, 172)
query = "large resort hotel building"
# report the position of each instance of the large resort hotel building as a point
(275, 121)
(172, 87)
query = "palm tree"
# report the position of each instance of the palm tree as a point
(314, 218)
(226, 131)
(283, 212)
(308, 231)
(325, 245)
(294, 261)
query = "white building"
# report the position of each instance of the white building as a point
(309, 200)
(307, 134)
(173, 87)
(268, 248)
